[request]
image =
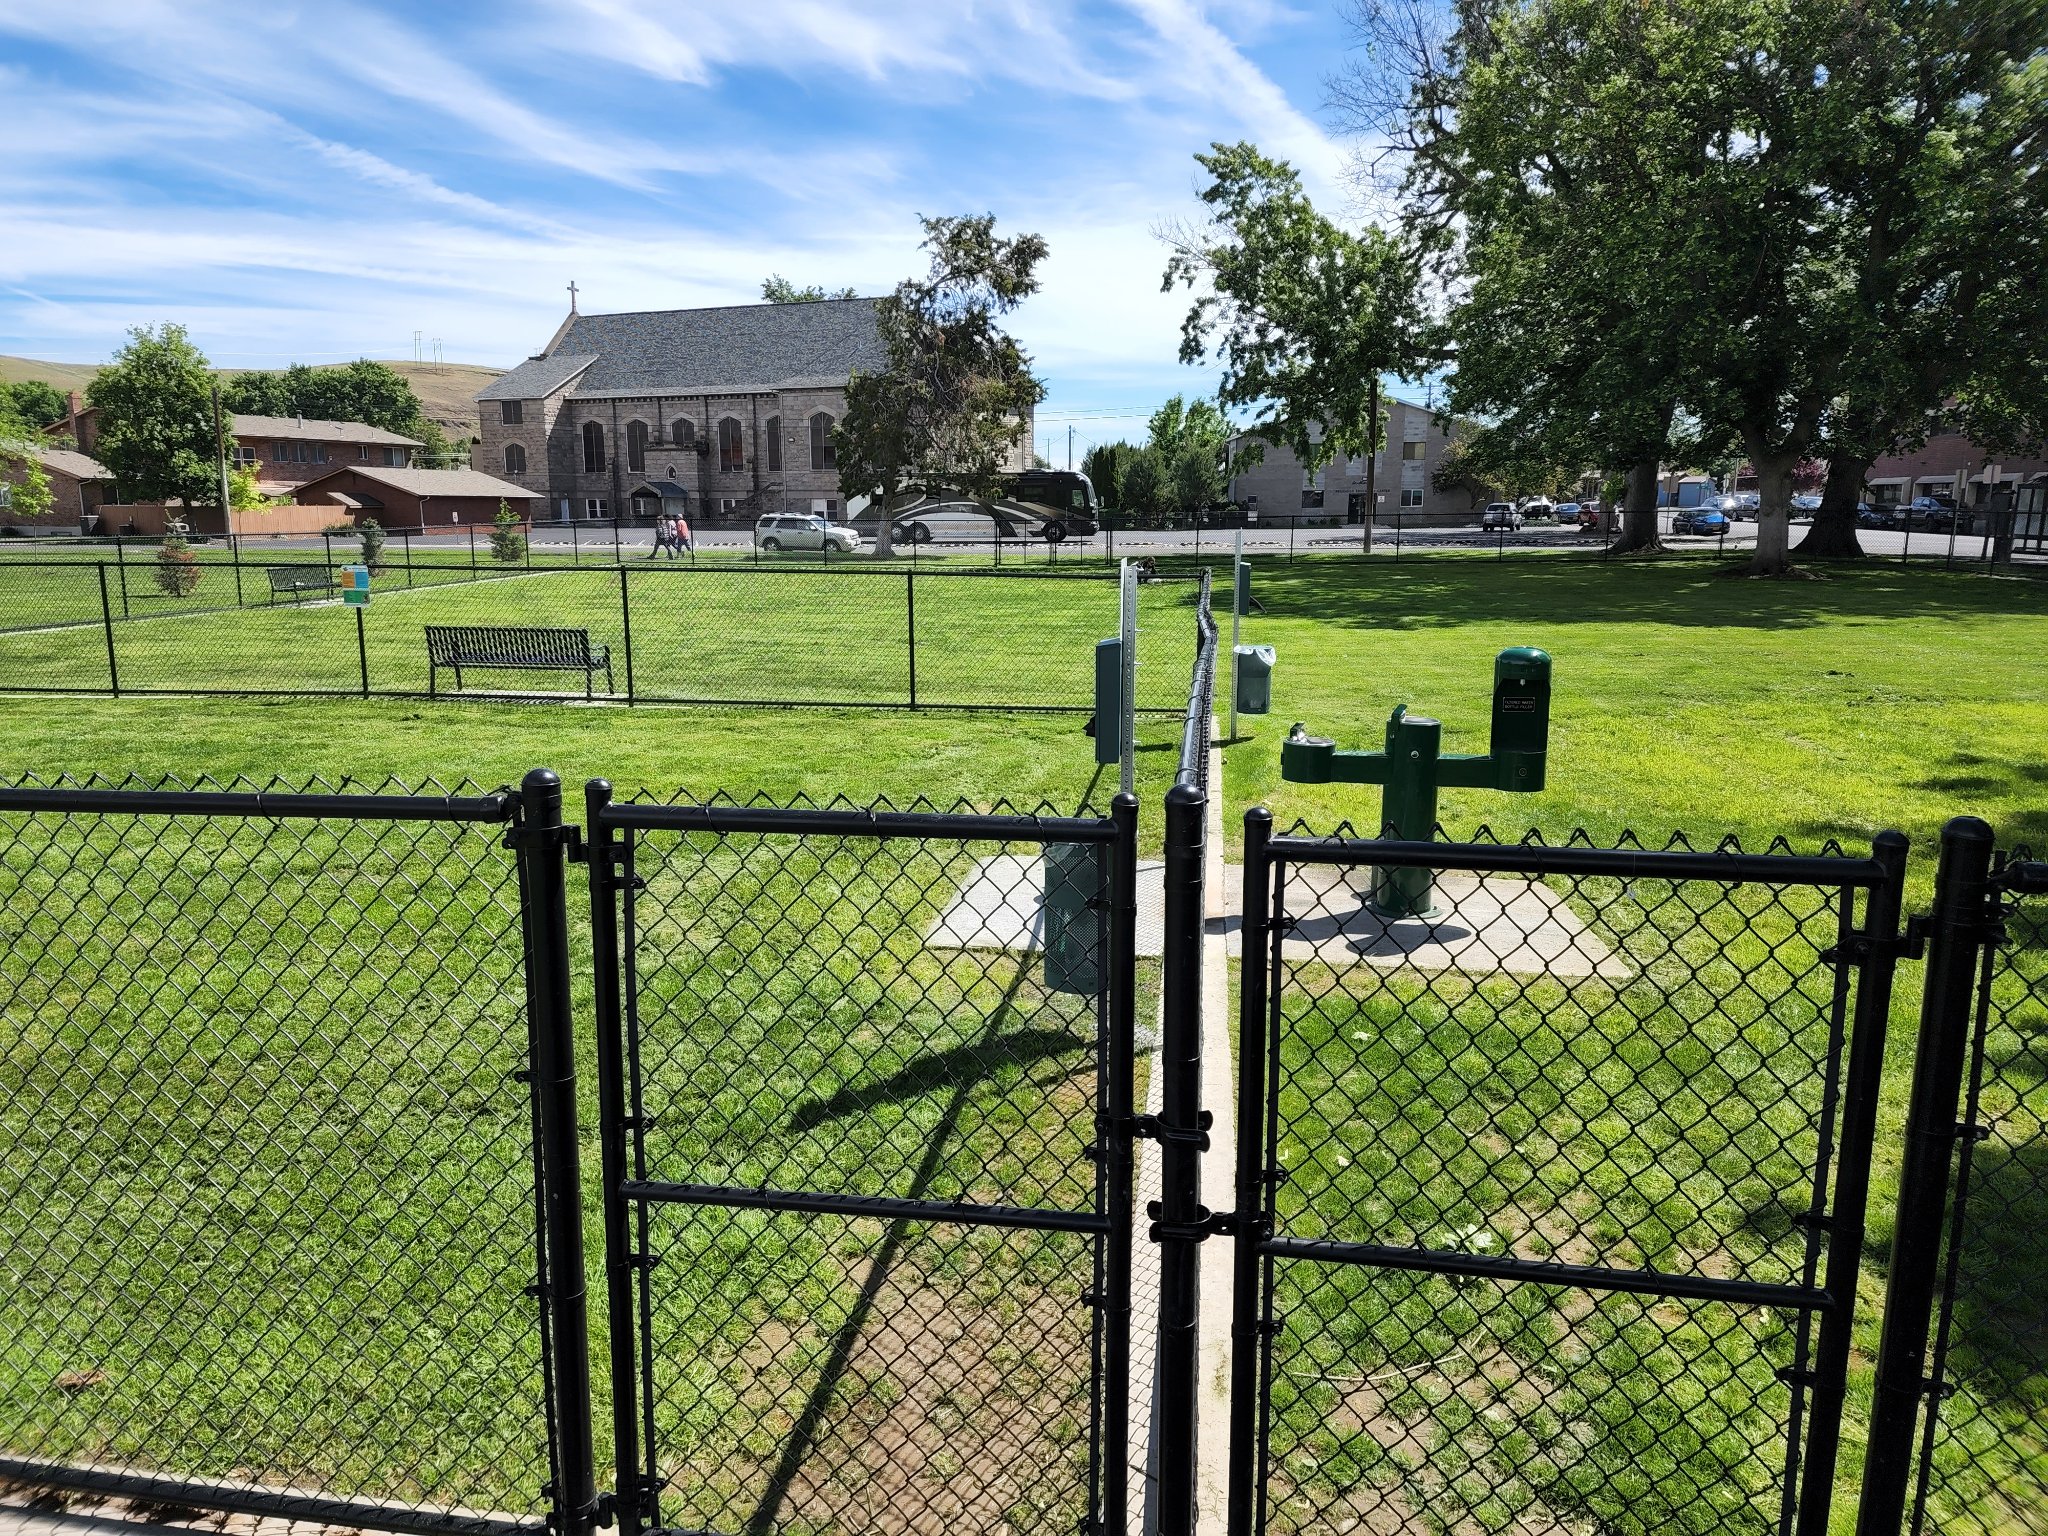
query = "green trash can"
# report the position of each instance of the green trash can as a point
(1076, 903)
(1254, 679)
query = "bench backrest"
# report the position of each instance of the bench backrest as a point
(286, 576)
(483, 645)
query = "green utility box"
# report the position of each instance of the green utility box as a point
(1109, 701)
(1252, 680)
(1241, 595)
(1076, 904)
(1412, 767)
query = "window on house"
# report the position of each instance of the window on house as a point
(774, 432)
(732, 453)
(362, 453)
(685, 432)
(319, 453)
(1414, 450)
(823, 454)
(281, 452)
(595, 506)
(396, 457)
(1411, 498)
(593, 449)
(512, 412)
(515, 459)
(244, 455)
(636, 447)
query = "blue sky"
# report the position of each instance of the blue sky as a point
(318, 182)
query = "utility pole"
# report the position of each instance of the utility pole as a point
(1070, 445)
(1372, 459)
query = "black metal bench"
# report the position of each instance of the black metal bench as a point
(297, 579)
(517, 648)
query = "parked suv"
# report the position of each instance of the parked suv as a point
(1500, 514)
(797, 530)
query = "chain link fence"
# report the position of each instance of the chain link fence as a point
(267, 1153)
(668, 634)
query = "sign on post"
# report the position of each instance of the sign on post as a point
(355, 585)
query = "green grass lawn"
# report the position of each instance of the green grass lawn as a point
(795, 634)
(1818, 709)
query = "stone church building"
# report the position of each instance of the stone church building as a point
(723, 413)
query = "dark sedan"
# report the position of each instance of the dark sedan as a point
(1711, 521)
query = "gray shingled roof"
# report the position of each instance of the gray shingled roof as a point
(431, 482)
(537, 377)
(317, 431)
(70, 462)
(690, 351)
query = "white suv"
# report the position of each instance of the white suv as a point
(798, 530)
(1500, 514)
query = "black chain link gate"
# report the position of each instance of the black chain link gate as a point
(1550, 1205)
(865, 1086)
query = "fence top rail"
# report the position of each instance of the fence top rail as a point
(498, 806)
(846, 822)
(1622, 863)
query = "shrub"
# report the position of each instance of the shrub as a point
(507, 542)
(177, 568)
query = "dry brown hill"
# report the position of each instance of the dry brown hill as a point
(445, 390)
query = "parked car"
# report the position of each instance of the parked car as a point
(798, 530)
(1590, 515)
(1711, 521)
(1868, 516)
(1805, 506)
(1937, 514)
(1500, 514)
(1567, 512)
(1538, 509)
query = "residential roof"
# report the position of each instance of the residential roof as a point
(69, 461)
(431, 482)
(317, 431)
(733, 349)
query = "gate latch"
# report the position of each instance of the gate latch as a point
(1207, 1223)
(1860, 948)
(1152, 1128)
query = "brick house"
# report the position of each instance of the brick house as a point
(1415, 446)
(79, 486)
(285, 451)
(723, 413)
(1950, 465)
(401, 498)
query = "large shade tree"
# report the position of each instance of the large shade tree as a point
(950, 406)
(156, 420)
(1304, 316)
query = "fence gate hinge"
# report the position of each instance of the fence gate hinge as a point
(1793, 1377)
(1965, 1131)
(1860, 948)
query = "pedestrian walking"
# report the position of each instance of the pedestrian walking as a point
(679, 532)
(664, 531)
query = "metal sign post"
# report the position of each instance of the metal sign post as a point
(1127, 628)
(355, 591)
(1236, 622)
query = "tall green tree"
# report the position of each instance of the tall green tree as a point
(1305, 317)
(1194, 480)
(1145, 489)
(34, 403)
(1177, 424)
(950, 406)
(1103, 465)
(777, 289)
(156, 431)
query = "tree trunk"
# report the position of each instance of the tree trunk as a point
(885, 544)
(1774, 512)
(1833, 534)
(1639, 510)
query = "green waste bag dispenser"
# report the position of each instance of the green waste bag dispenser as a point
(1413, 767)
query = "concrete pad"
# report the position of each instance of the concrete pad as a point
(1484, 923)
(1002, 906)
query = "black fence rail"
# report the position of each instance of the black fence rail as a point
(1550, 1202)
(270, 1132)
(853, 637)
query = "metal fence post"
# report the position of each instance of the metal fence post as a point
(1115, 1140)
(542, 852)
(910, 627)
(608, 879)
(1247, 1331)
(1958, 928)
(121, 569)
(1877, 960)
(472, 551)
(107, 621)
(362, 652)
(626, 622)
(235, 556)
(1179, 1219)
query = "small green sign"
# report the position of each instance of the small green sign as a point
(355, 585)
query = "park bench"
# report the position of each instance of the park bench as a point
(515, 647)
(297, 579)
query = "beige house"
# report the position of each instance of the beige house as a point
(1277, 490)
(723, 414)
